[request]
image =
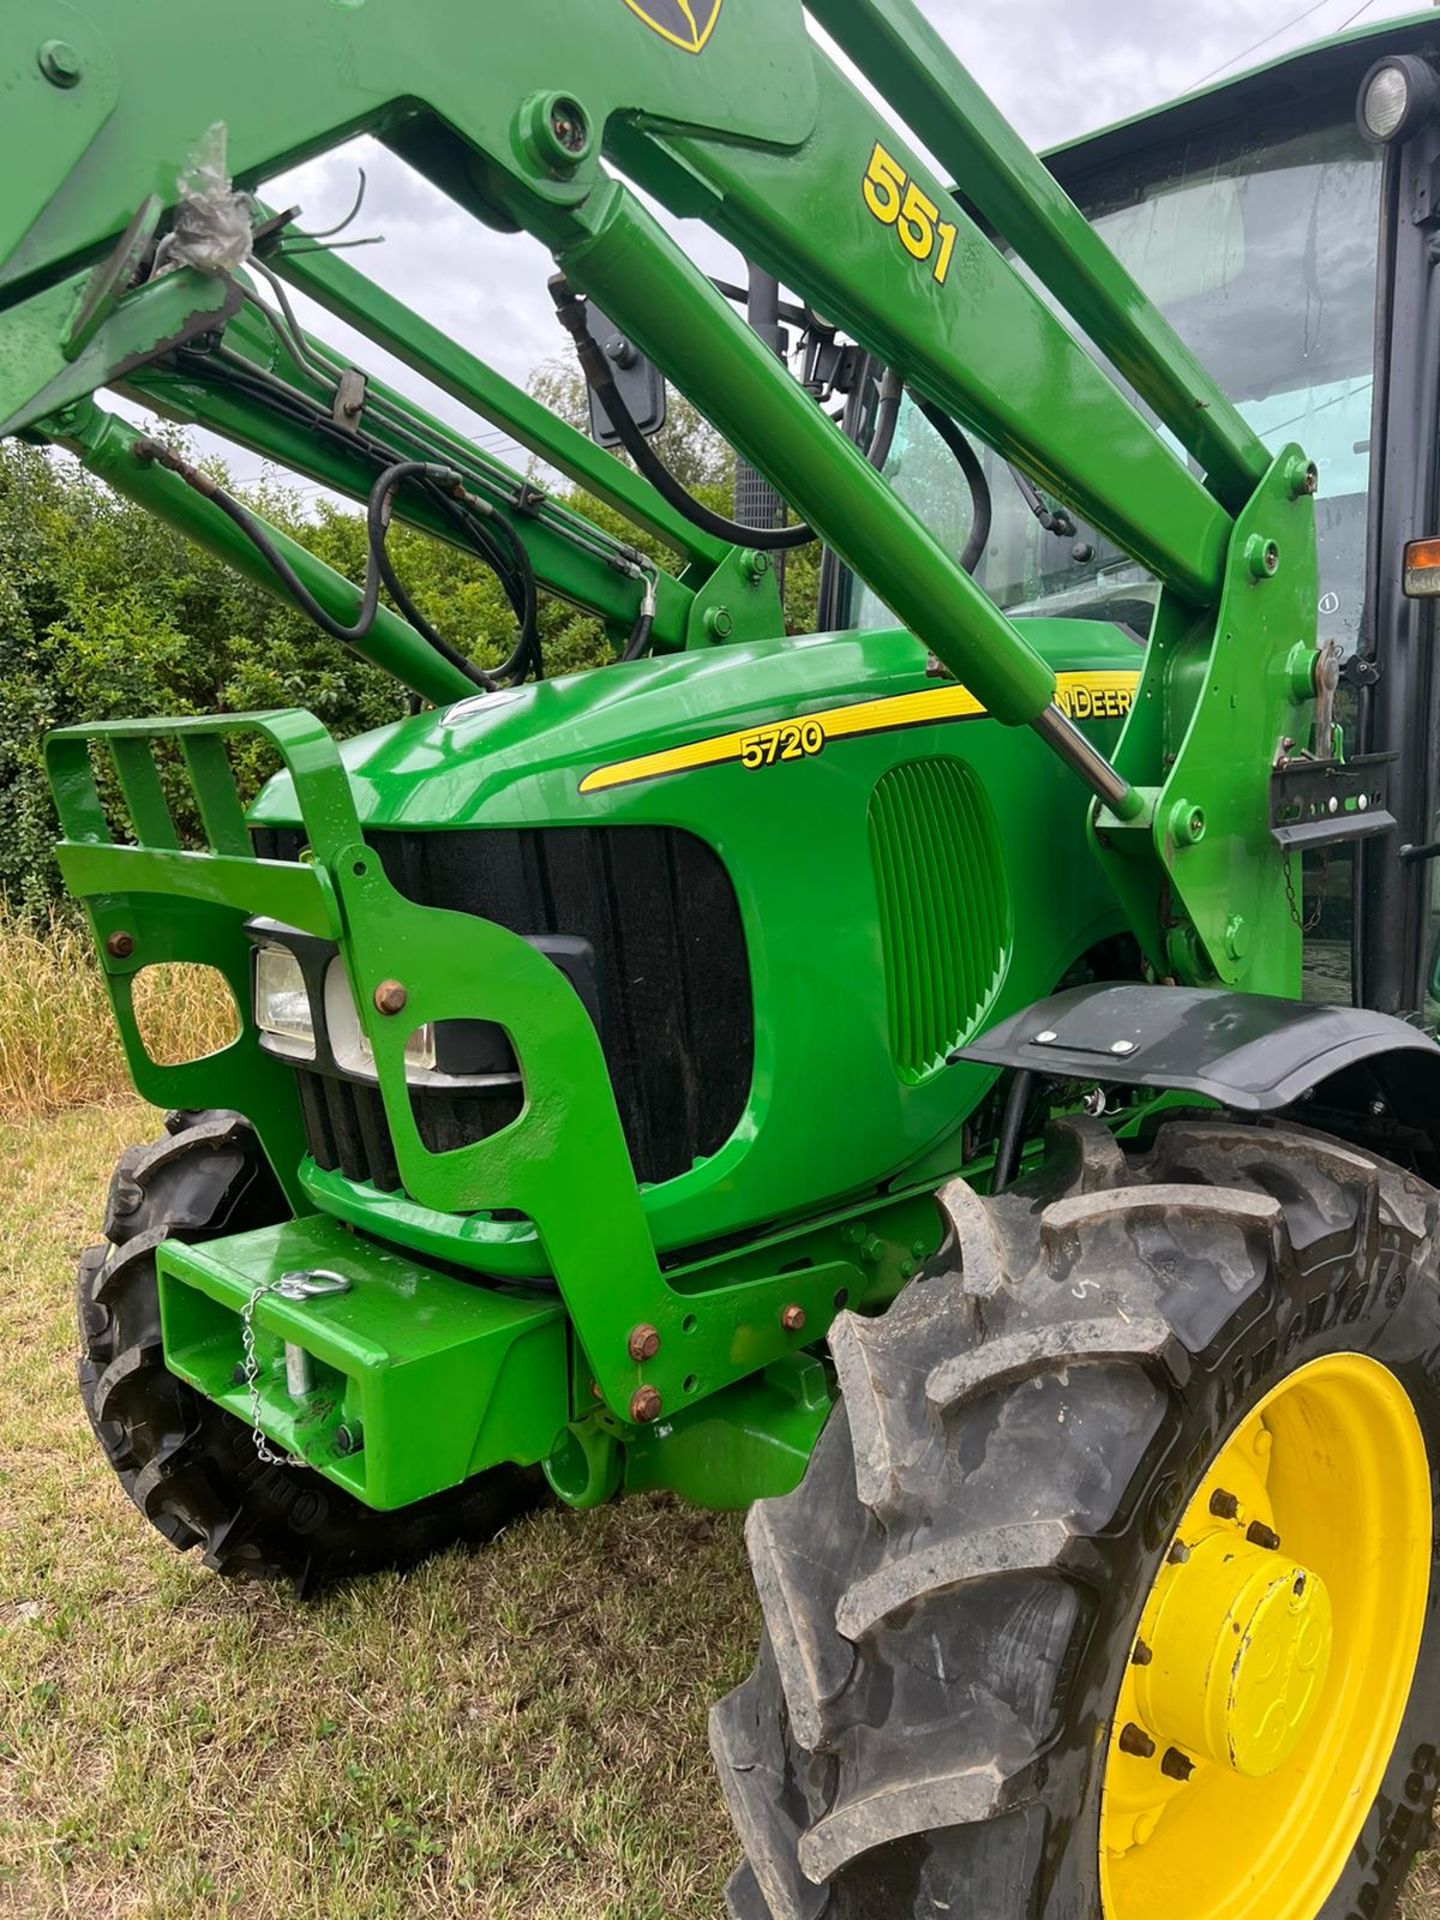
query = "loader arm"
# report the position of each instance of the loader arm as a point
(733, 113)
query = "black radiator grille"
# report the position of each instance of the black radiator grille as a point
(677, 1023)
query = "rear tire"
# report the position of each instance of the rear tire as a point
(189, 1466)
(952, 1595)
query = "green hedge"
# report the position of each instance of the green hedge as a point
(104, 613)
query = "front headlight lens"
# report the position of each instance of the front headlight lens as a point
(282, 1002)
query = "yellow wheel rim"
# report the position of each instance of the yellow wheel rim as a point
(1274, 1658)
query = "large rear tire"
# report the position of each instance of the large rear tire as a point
(946, 1717)
(189, 1466)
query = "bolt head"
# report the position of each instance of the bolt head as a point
(793, 1319)
(390, 997)
(643, 1344)
(60, 63)
(1123, 1047)
(645, 1406)
(1045, 1039)
(569, 126)
(120, 946)
(348, 1439)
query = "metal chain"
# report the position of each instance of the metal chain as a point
(310, 1285)
(1307, 925)
(263, 1450)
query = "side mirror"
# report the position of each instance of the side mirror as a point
(640, 381)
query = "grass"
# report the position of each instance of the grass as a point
(517, 1734)
(58, 1043)
(512, 1735)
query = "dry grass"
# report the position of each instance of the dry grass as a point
(513, 1735)
(58, 1043)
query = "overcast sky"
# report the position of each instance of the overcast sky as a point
(1057, 68)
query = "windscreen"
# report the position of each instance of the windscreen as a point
(1262, 254)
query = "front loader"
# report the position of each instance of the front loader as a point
(957, 1084)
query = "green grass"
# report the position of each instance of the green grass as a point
(517, 1734)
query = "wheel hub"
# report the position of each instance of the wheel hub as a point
(1242, 1643)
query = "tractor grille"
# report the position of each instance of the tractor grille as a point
(945, 921)
(676, 1020)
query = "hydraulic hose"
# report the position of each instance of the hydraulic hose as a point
(969, 463)
(602, 383)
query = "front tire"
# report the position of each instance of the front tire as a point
(190, 1467)
(943, 1718)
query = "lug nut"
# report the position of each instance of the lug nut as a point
(645, 1406)
(1136, 1741)
(1224, 1505)
(643, 1344)
(1176, 1765)
(1142, 1656)
(1178, 1554)
(793, 1319)
(1259, 1535)
(390, 997)
(120, 946)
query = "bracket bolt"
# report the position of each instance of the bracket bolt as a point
(756, 564)
(1262, 556)
(793, 1319)
(390, 997)
(645, 1406)
(348, 1439)
(59, 63)
(1302, 476)
(719, 622)
(643, 1344)
(120, 946)
(1187, 823)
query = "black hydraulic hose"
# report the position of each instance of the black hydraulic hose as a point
(596, 369)
(969, 464)
(644, 620)
(887, 414)
(1011, 1144)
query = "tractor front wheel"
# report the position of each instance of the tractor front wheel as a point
(190, 1467)
(1110, 1590)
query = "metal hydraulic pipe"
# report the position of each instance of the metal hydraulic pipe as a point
(1060, 733)
(106, 445)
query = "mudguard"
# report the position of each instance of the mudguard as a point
(1247, 1050)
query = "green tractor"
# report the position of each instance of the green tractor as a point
(957, 1083)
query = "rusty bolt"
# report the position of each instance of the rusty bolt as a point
(595, 1390)
(1259, 1535)
(645, 1406)
(120, 946)
(1135, 1740)
(1176, 1765)
(1141, 1655)
(643, 1344)
(1224, 1505)
(793, 1318)
(390, 997)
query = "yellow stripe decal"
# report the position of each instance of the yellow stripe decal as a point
(1083, 696)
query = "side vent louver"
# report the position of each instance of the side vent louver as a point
(945, 916)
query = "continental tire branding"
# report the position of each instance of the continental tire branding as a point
(1107, 695)
(686, 24)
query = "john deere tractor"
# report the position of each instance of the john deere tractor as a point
(957, 1083)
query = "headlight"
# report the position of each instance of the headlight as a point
(1395, 96)
(348, 1041)
(282, 1003)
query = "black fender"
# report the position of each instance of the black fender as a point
(1249, 1051)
